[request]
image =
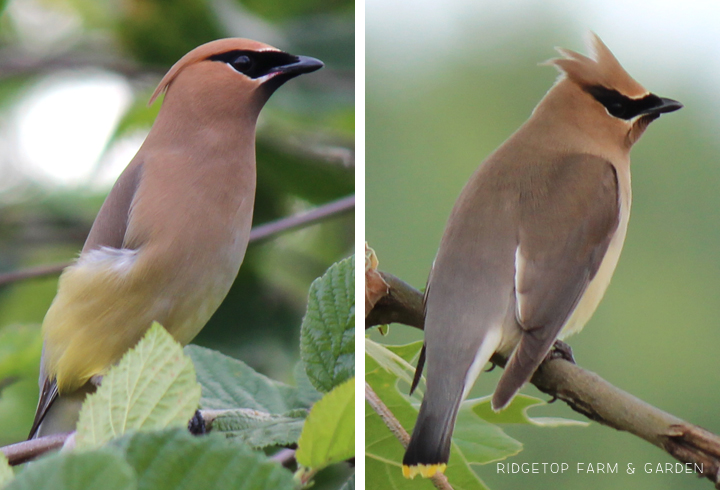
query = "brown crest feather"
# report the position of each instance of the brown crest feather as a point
(602, 68)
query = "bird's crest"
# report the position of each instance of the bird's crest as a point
(602, 68)
(204, 52)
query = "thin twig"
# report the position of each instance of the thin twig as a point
(26, 450)
(588, 394)
(439, 480)
(32, 272)
(285, 457)
(320, 213)
(259, 233)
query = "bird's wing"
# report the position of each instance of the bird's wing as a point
(48, 394)
(108, 230)
(111, 223)
(566, 226)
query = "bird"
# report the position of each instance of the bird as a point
(169, 239)
(531, 243)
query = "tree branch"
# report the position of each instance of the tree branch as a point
(584, 391)
(258, 234)
(285, 457)
(26, 450)
(439, 480)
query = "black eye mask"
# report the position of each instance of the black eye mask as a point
(255, 64)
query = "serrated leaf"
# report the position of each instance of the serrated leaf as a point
(260, 429)
(6, 472)
(175, 460)
(516, 413)
(104, 468)
(228, 383)
(307, 393)
(152, 387)
(329, 432)
(327, 336)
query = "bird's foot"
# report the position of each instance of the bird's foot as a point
(491, 368)
(561, 350)
(196, 426)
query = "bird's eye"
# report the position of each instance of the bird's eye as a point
(242, 63)
(617, 109)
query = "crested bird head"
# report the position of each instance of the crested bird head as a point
(606, 96)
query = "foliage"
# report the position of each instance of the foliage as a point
(133, 430)
(136, 42)
(476, 441)
(153, 387)
(6, 472)
(327, 338)
(329, 433)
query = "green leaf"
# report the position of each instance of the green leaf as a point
(174, 459)
(308, 395)
(384, 367)
(259, 429)
(152, 387)
(228, 383)
(329, 432)
(516, 413)
(327, 336)
(104, 468)
(479, 442)
(6, 472)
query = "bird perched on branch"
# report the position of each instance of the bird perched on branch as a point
(168, 242)
(531, 243)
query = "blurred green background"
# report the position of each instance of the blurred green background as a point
(447, 82)
(75, 78)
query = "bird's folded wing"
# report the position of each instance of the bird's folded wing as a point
(565, 229)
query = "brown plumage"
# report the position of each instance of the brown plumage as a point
(170, 238)
(532, 242)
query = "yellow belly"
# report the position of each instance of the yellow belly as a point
(105, 305)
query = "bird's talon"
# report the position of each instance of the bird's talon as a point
(561, 350)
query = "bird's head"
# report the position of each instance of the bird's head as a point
(230, 75)
(607, 96)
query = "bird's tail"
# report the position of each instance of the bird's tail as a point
(528, 355)
(429, 448)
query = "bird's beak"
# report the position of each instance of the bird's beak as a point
(663, 106)
(304, 64)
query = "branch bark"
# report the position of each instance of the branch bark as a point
(258, 234)
(584, 391)
(26, 450)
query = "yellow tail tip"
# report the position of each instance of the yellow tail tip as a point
(424, 470)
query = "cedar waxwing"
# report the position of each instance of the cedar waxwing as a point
(531, 243)
(168, 242)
